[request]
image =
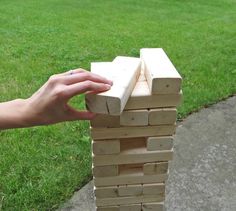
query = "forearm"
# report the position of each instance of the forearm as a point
(13, 114)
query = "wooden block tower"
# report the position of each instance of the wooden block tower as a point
(133, 132)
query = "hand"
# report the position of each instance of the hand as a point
(50, 103)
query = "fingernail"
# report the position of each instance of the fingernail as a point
(110, 82)
(108, 86)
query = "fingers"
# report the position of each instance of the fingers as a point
(84, 76)
(72, 72)
(77, 76)
(79, 115)
(85, 86)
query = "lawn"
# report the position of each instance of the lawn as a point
(41, 167)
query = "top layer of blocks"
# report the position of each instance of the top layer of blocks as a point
(129, 83)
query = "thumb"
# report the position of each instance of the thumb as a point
(79, 115)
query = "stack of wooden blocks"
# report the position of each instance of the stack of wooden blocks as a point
(133, 132)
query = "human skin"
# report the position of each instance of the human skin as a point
(49, 105)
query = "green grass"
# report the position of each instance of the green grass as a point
(41, 167)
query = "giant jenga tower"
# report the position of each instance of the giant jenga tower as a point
(133, 132)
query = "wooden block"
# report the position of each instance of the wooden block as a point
(114, 100)
(134, 118)
(105, 120)
(162, 116)
(122, 59)
(129, 200)
(131, 207)
(160, 143)
(136, 131)
(162, 77)
(153, 189)
(140, 155)
(154, 206)
(108, 208)
(130, 190)
(141, 98)
(155, 168)
(106, 192)
(106, 147)
(106, 171)
(130, 178)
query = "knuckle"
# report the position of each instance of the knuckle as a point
(59, 92)
(53, 79)
(80, 70)
(88, 84)
(86, 75)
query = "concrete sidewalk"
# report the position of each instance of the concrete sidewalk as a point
(203, 173)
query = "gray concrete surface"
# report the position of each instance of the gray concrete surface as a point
(203, 171)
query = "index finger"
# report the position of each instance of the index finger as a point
(85, 86)
(84, 76)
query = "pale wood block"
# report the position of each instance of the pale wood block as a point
(140, 155)
(152, 189)
(129, 200)
(130, 190)
(109, 208)
(106, 171)
(106, 192)
(154, 206)
(131, 207)
(141, 98)
(130, 177)
(162, 116)
(155, 168)
(134, 118)
(160, 143)
(106, 147)
(129, 132)
(105, 120)
(162, 77)
(114, 100)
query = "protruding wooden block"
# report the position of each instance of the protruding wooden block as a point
(105, 120)
(106, 192)
(159, 143)
(106, 147)
(141, 98)
(129, 178)
(106, 171)
(130, 190)
(155, 168)
(134, 118)
(130, 132)
(162, 116)
(129, 200)
(138, 156)
(154, 206)
(152, 189)
(162, 77)
(114, 100)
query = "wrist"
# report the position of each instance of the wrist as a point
(12, 114)
(29, 115)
